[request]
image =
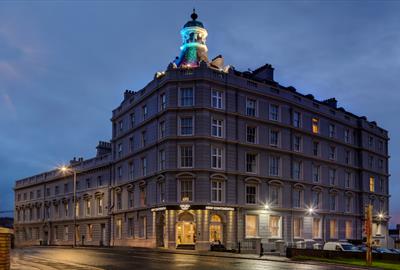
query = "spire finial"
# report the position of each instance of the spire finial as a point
(194, 15)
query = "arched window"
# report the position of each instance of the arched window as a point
(216, 218)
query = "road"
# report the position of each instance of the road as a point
(39, 258)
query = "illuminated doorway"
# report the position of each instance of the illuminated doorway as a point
(185, 230)
(216, 229)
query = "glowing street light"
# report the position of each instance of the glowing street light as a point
(310, 210)
(266, 206)
(65, 169)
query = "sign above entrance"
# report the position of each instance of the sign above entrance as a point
(184, 206)
(158, 209)
(220, 208)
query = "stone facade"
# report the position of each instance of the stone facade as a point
(206, 154)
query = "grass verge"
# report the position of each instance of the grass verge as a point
(356, 262)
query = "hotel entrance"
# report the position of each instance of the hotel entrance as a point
(185, 230)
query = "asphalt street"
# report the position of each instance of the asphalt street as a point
(122, 259)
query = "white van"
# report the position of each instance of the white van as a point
(340, 246)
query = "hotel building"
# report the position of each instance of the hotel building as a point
(206, 154)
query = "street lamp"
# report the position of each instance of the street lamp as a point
(266, 206)
(310, 210)
(66, 169)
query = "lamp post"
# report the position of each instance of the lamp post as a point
(74, 172)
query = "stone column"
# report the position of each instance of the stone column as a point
(5, 245)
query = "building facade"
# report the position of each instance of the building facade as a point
(205, 154)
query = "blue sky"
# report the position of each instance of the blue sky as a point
(64, 66)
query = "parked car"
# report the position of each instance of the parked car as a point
(340, 246)
(384, 250)
(395, 250)
(364, 249)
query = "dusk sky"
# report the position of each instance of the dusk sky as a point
(65, 65)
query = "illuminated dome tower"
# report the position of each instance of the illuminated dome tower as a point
(193, 49)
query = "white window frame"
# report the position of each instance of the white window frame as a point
(255, 134)
(180, 125)
(219, 188)
(180, 96)
(219, 125)
(255, 107)
(279, 165)
(180, 155)
(278, 138)
(180, 195)
(256, 162)
(278, 113)
(257, 226)
(299, 123)
(256, 186)
(279, 235)
(319, 236)
(300, 149)
(217, 156)
(301, 227)
(218, 98)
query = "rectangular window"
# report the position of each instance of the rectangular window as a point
(315, 125)
(333, 229)
(66, 188)
(99, 181)
(56, 190)
(187, 98)
(332, 177)
(120, 150)
(382, 185)
(275, 226)
(131, 170)
(144, 111)
(370, 141)
(88, 207)
(275, 195)
(131, 227)
(119, 201)
(121, 125)
(316, 149)
(144, 166)
(251, 163)
(348, 203)
(297, 119)
(251, 107)
(316, 199)
(162, 129)
(332, 130)
(380, 146)
(216, 99)
(251, 226)
(297, 170)
(217, 127)
(274, 164)
(163, 101)
(143, 139)
(347, 180)
(66, 232)
(216, 157)
(217, 191)
(132, 119)
(347, 136)
(297, 227)
(251, 194)
(273, 112)
(251, 134)
(161, 160)
(99, 206)
(372, 184)
(274, 138)
(186, 156)
(186, 126)
(186, 190)
(131, 144)
(333, 202)
(316, 228)
(118, 228)
(131, 198)
(90, 232)
(347, 157)
(332, 152)
(143, 227)
(161, 191)
(370, 161)
(119, 171)
(349, 229)
(66, 209)
(142, 195)
(297, 143)
(297, 198)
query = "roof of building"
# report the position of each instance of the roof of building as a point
(194, 21)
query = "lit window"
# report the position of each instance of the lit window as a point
(349, 229)
(90, 232)
(251, 226)
(333, 229)
(297, 227)
(88, 207)
(316, 228)
(216, 99)
(372, 184)
(275, 226)
(119, 228)
(315, 125)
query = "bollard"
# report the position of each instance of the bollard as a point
(5, 244)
